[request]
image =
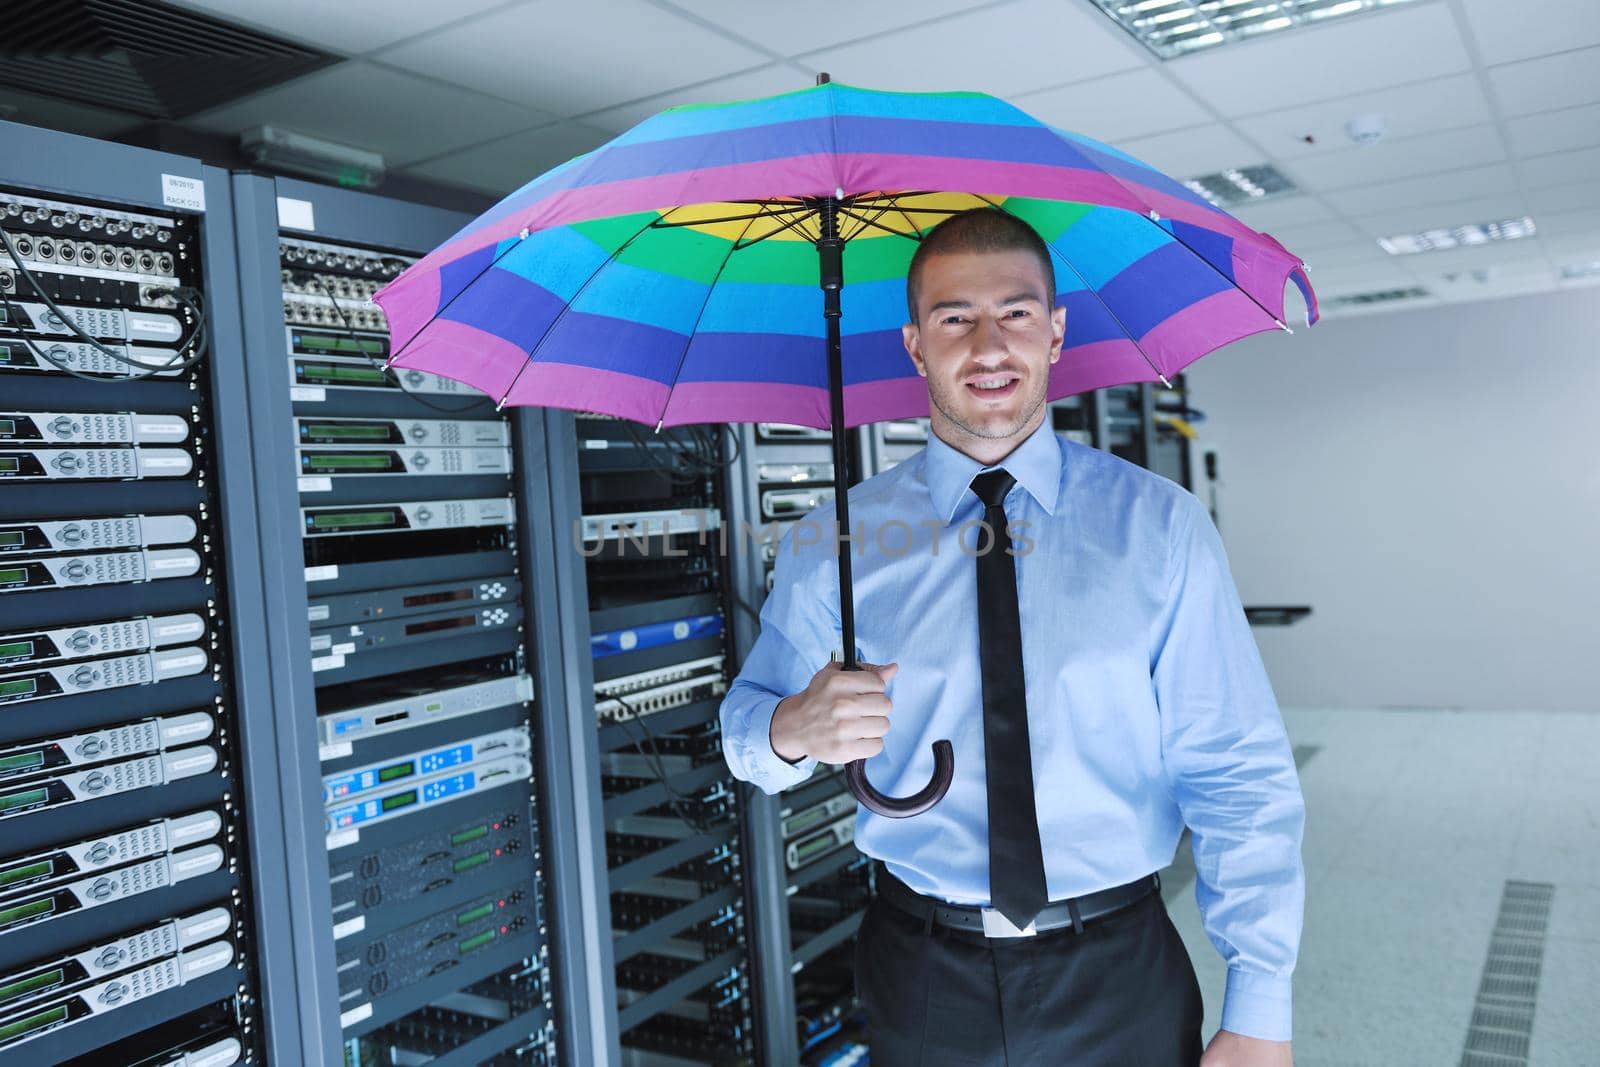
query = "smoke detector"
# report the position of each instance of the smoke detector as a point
(1367, 130)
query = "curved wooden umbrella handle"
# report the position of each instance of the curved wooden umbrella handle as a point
(944, 769)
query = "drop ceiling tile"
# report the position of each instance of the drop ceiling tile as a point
(826, 22)
(1579, 196)
(355, 103)
(1555, 131)
(571, 59)
(1342, 58)
(1192, 152)
(1569, 223)
(993, 50)
(348, 26)
(1289, 211)
(1564, 80)
(1409, 111)
(1561, 168)
(764, 81)
(1574, 248)
(1332, 282)
(507, 164)
(1392, 160)
(1367, 262)
(1117, 107)
(1507, 30)
(1443, 216)
(1434, 188)
(1302, 240)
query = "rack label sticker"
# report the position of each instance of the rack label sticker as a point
(337, 750)
(349, 926)
(322, 574)
(326, 663)
(316, 485)
(341, 838)
(296, 214)
(185, 194)
(354, 1015)
(307, 394)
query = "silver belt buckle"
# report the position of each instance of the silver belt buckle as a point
(996, 924)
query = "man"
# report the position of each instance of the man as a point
(1018, 921)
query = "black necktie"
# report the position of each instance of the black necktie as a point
(1016, 859)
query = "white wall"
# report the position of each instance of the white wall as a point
(1429, 482)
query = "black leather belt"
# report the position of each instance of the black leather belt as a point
(1056, 915)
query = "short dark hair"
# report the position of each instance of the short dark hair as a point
(980, 229)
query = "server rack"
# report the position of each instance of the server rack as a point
(668, 862)
(1134, 421)
(809, 885)
(140, 820)
(403, 518)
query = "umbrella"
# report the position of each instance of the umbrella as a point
(692, 270)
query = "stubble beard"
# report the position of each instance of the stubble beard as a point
(942, 402)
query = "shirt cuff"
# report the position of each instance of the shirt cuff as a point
(1257, 1005)
(768, 770)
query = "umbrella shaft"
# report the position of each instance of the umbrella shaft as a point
(830, 253)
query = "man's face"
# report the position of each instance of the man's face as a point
(985, 340)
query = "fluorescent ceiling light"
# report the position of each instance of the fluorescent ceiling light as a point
(1406, 244)
(1241, 185)
(1172, 28)
(1580, 270)
(1381, 296)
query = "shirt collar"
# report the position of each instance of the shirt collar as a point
(1035, 464)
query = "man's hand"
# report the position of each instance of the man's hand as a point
(1229, 1049)
(840, 715)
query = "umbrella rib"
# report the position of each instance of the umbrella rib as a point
(1151, 216)
(661, 225)
(566, 306)
(791, 224)
(867, 223)
(733, 246)
(1114, 317)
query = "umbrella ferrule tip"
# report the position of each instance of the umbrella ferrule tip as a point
(1155, 216)
(659, 423)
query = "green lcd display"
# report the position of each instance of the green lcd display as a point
(382, 461)
(352, 518)
(8, 465)
(13, 575)
(30, 910)
(466, 863)
(28, 872)
(19, 687)
(472, 915)
(341, 344)
(400, 800)
(477, 941)
(461, 837)
(399, 770)
(23, 800)
(377, 432)
(6, 352)
(22, 761)
(32, 984)
(37, 1021)
(12, 539)
(8, 427)
(16, 650)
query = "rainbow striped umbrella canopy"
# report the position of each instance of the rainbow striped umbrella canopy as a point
(671, 275)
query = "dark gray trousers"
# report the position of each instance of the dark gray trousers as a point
(1121, 994)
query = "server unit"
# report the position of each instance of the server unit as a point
(403, 491)
(652, 534)
(1149, 424)
(808, 883)
(128, 616)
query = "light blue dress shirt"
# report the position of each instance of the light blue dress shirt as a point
(1148, 705)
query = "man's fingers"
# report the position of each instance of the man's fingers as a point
(863, 749)
(872, 726)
